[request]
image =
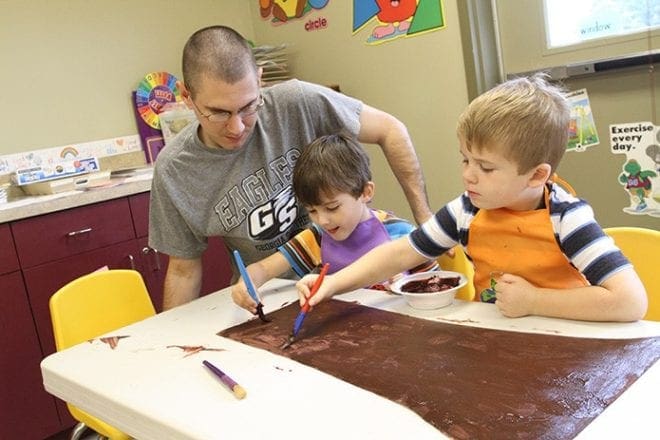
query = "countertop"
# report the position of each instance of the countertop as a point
(30, 206)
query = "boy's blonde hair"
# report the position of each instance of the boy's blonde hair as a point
(525, 119)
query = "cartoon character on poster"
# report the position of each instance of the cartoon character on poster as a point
(397, 18)
(582, 128)
(640, 176)
(282, 11)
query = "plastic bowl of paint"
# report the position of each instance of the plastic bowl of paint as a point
(429, 290)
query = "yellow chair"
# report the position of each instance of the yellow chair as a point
(90, 306)
(460, 263)
(642, 247)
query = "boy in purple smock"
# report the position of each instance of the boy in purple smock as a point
(332, 180)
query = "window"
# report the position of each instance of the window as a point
(570, 22)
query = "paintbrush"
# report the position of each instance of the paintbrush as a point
(305, 308)
(235, 388)
(250, 287)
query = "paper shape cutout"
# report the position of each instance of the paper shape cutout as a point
(363, 11)
(151, 138)
(282, 11)
(156, 90)
(582, 128)
(640, 176)
(397, 19)
(429, 16)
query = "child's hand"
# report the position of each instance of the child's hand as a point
(242, 298)
(304, 287)
(516, 297)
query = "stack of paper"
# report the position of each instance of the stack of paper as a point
(273, 61)
(66, 184)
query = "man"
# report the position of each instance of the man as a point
(229, 175)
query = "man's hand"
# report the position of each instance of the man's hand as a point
(242, 298)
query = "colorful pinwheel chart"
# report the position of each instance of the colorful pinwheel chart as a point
(155, 91)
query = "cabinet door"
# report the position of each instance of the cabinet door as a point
(139, 204)
(217, 267)
(27, 411)
(216, 273)
(74, 231)
(44, 280)
(216, 263)
(8, 258)
(154, 267)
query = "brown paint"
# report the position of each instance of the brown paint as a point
(468, 382)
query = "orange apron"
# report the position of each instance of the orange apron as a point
(520, 243)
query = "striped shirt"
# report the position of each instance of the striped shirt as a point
(303, 252)
(577, 233)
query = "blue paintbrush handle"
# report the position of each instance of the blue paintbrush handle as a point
(298, 323)
(246, 278)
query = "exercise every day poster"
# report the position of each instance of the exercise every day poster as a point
(640, 172)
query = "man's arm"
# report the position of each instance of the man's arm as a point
(183, 281)
(378, 127)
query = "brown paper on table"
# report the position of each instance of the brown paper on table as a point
(468, 382)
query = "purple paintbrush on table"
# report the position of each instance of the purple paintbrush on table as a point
(235, 388)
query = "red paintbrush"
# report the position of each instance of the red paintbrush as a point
(305, 308)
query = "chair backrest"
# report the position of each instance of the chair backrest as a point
(90, 306)
(98, 303)
(642, 247)
(460, 263)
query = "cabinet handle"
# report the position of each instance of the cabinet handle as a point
(132, 261)
(147, 250)
(82, 231)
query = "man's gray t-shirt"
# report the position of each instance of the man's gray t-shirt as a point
(245, 195)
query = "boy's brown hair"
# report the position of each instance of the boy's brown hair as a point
(526, 119)
(331, 164)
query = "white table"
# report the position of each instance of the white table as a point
(151, 391)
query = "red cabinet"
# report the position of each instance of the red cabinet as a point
(215, 261)
(51, 250)
(8, 259)
(61, 234)
(217, 267)
(44, 280)
(26, 410)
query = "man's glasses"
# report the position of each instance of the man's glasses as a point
(224, 116)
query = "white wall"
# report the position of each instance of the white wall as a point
(421, 80)
(68, 66)
(616, 96)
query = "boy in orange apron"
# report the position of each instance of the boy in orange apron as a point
(332, 180)
(515, 220)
